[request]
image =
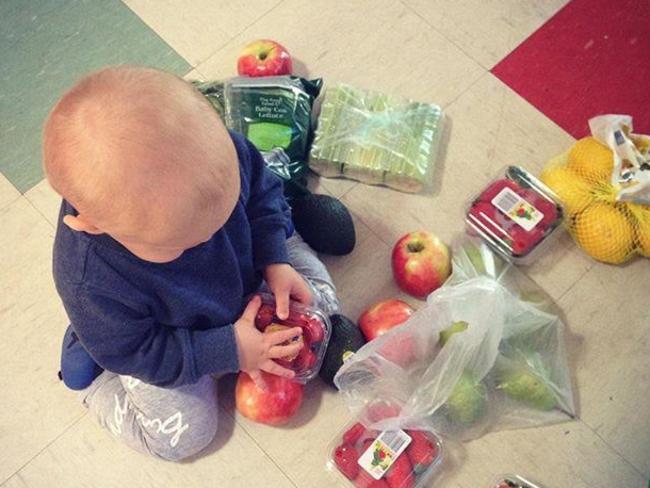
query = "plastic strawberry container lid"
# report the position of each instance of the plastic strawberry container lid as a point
(358, 456)
(316, 331)
(512, 481)
(516, 215)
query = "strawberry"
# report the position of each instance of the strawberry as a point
(265, 316)
(305, 360)
(313, 331)
(345, 457)
(421, 451)
(493, 190)
(401, 349)
(364, 480)
(400, 474)
(381, 410)
(354, 433)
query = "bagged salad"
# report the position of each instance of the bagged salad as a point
(484, 353)
(274, 113)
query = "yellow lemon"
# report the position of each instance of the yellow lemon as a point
(605, 233)
(591, 160)
(574, 193)
(642, 216)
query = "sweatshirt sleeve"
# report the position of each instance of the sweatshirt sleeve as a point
(130, 342)
(268, 212)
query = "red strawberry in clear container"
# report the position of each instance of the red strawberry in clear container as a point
(493, 190)
(354, 433)
(305, 360)
(381, 410)
(313, 331)
(489, 219)
(422, 450)
(265, 316)
(400, 474)
(345, 458)
(520, 241)
(364, 480)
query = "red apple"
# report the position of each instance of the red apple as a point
(420, 263)
(264, 58)
(383, 316)
(272, 407)
(401, 349)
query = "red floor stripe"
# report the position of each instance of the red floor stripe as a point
(591, 58)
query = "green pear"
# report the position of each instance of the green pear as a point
(467, 401)
(454, 328)
(474, 255)
(528, 387)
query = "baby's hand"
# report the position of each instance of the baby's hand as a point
(285, 282)
(257, 350)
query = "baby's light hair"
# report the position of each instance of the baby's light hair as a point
(138, 146)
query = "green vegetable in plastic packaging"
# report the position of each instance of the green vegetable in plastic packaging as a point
(274, 113)
(376, 138)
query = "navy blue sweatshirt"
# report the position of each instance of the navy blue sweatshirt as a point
(169, 324)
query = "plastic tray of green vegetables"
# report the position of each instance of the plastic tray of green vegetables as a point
(376, 138)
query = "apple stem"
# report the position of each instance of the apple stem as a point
(416, 246)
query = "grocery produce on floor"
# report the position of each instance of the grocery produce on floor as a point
(264, 57)
(346, 339)
(420, 263)
(516, 215)
(274, 113)
(466, 402)
(455, 328)
(379, 318)
(485, 353)
(324, 223)
(376, 138)
(372, 458)
(273, 406)
(603, 182)
(316, 330)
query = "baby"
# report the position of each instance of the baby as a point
(168, 223)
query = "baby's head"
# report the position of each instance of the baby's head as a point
(143, 157)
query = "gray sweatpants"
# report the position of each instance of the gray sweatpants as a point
(176, 423)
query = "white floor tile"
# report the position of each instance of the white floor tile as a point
(196, 29)
(8, 192)
(36, 406)
(86, 456)
(486, 30)
(46, 201)
(379, 45)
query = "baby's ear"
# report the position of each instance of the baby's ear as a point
(80, 224)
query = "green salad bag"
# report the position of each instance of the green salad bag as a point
(274, 113)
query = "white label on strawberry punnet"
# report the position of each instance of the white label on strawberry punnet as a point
(383, 452)
(518, 209)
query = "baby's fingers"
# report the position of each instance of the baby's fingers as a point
(251, 309)
(275, 338)
(274, 368)
(257, 378)
(285, 351)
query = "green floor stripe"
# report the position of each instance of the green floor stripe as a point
(45, 46)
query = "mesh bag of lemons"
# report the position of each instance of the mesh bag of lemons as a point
(589, 180)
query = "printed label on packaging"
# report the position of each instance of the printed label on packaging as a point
(383, 452)
(518, 209)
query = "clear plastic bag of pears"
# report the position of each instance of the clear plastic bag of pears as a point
(486, 352)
